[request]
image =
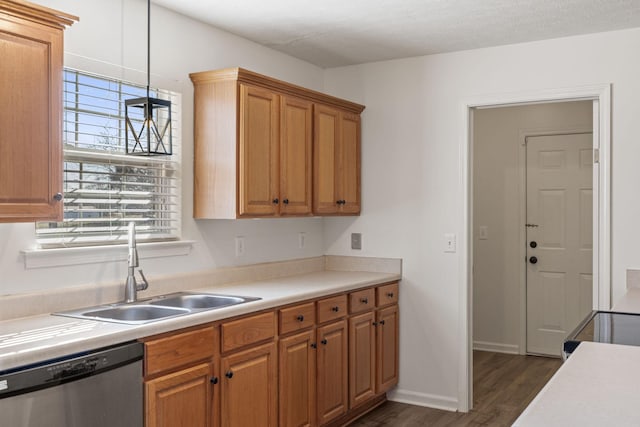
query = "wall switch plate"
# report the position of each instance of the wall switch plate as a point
(302, 237)
(356, 241)
(483, 232)
(450, 242)
(240, 246)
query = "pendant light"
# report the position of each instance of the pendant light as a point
(148, 120)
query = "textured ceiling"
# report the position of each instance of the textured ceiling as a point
(331, 33)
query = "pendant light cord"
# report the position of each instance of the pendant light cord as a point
(148, 46)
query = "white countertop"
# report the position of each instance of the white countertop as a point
(34, 339)
(599, 385)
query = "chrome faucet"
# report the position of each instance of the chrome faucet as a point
(131, 287)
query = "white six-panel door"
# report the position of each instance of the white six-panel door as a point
(559, 221)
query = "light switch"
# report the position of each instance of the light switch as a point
(450, 242)
(356, 241)
(483, 232)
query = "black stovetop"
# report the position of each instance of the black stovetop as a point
(606, 327)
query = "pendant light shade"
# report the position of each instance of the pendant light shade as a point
(148, 120)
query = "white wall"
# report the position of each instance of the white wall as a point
(497, 289)
(413, 131)
(110, 39)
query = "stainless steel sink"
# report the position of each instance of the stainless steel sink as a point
(157, 308)
(198, 301)
(135, 313)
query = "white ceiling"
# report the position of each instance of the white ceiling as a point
(331, 33)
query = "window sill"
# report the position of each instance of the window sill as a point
(43, 258)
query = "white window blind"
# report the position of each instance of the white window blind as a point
(105, 189)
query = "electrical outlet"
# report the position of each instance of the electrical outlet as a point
(356, 241)
(240, 246)
(450, 242)
(302, 237)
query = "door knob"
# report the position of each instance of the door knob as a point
(533, 244)
(276, 201)
(533, 260)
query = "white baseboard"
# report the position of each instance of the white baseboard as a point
(424, 399)
(496, 347)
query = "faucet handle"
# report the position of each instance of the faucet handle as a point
(144, 285)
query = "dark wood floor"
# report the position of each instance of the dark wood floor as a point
(503, 386)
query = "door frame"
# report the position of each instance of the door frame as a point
(602, 205)
(522, 220)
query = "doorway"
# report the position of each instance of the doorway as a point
(599, 96)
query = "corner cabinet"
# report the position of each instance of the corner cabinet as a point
(31, 47)
(257, 142)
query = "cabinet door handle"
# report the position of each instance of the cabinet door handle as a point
(324, 341)
(276, 201)
(336, 309)
(364, 300)
(214, 380)
(314, 345)
(300, 318)
(57, 197)
(375, 324)
(381, 322)
(285, 201)
(229, 374)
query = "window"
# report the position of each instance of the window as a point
(105, 189)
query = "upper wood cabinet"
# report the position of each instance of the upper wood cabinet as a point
(336, 161)
(31, 46)
(254, 147)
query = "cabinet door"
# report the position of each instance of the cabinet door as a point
(181, 399)
(258, 152)
(387, 344)
(349, 164)
(325, 144)
(250, 388)
(332, 371)
(30, 121)
(362, 363)
(297, 380)
(295, 155)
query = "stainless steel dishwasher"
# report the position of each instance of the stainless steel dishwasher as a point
(94, 389)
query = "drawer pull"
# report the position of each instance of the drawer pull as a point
(324, 341)
(300, 318)
(390, 294)
(336, 309)
(364, 300)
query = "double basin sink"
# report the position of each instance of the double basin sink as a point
(157, 308)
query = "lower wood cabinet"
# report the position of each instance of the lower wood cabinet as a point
(297, 375)
(362, 358)
(313, 364)
(180, 399)
(332, 380)
(249, 388)
(387, 345)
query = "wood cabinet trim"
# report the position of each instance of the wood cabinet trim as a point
(37, 13)
(246, 76)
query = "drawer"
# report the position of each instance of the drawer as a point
(178, 350)
(250, 330)
(332, 308)
(298, 317)
(387, 294)
(362, 300)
